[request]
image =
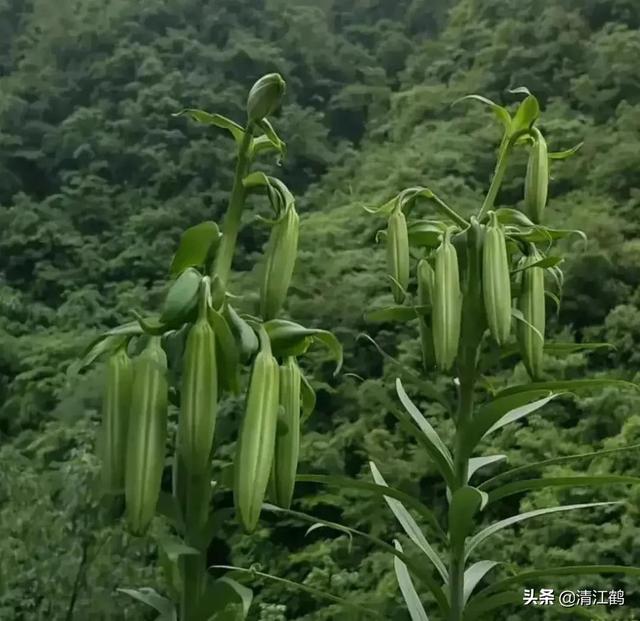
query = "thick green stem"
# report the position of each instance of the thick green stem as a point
(498, 177)
(472, 329)
(231, 224)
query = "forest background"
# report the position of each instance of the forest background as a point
(98, 180)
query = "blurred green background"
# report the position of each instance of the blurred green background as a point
(97, 181)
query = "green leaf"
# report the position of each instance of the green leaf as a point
(474, 574)
(196, 247)
(152, 325)
(409, 593)
(562, 155)
(509, 407)
(409, 525)
(567, 570)
(571, 481)
(302, 587)
(542, 234)
(101, 346)
(390, 314)
(544, 262)
(465, 503)
(438, 451)
(216, 120)
(291, 339)
(222, 593)
(475, 463)
(175, 549)
(272, 138)
(416, 568)
(566, 385)
(426, 233)
(557, 460)
(151, 598)
(484, 534)
(508, 216)
(501, 113)
(379, 490)
(564, 349)
(182, 298)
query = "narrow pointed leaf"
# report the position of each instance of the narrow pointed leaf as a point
(379, 490)
(576, 481)
(409, 525)
(424, 425)
(474, 574)
(390, 314)
(417, 569)
(151, 598)
(557, 460)
(567, 385)
(518, 404)
(216, 120)
(502, 113)
(301, 587)
(562, 155)
(475, 463)
(484, 534)
(409, 593)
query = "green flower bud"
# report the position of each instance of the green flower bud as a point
(265, 96)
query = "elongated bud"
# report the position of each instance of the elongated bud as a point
(287, 447)
(280, 261)
(496, 282)
(198, 397)
(426, 284)
(531, 303)
(115, 420)
(265, 96)
(536, 183)
(256, 441)
(398, 253)
(146, 437)
(447, 305)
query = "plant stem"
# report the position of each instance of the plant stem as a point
(498, 177)
(472, 329)
(231, 224)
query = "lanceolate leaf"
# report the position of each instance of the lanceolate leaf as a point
(302, 587)
(379, 490)
(417, 569)
(475, 463)
(502, 113)
(411, 597)
(518, 404)
(562, 155)
(568, 570)
(577, 481)
(389, 314)
(557, 460)
(444, 458)
(484, 534)
(216, 120)
(409, 525)
(474, 574)
(567, 385)
(151, 598)
(222, 593)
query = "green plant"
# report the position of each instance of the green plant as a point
(190, 356)
(475, 277)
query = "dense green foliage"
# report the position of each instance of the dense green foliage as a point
(97, 181)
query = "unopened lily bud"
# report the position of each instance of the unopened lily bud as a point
(265, 96)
